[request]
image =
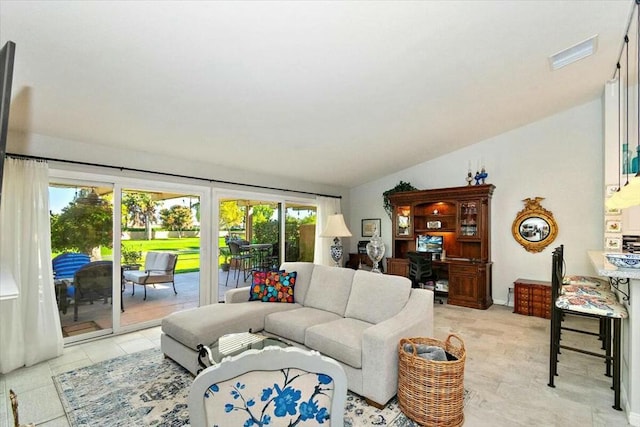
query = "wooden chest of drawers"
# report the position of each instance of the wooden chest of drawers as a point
(532, 298)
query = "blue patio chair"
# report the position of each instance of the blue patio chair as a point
(65, 265)
(64, 268)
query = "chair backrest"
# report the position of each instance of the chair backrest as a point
(557, 265)
(96, 276)
(65, 265)
(274, 384)
(234, 247)
(160, 261)
(420, 266)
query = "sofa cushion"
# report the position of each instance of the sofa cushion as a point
(292, 324)
(329, 289)
(370, 289)
(303, 278)
(204, 325)
(340, 339)
(159, 261)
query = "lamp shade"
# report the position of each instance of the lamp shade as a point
(629, 195)
(336, 227)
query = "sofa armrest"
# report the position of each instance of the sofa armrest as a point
(380, 344)
(237, 295)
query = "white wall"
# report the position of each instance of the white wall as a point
(558, 158)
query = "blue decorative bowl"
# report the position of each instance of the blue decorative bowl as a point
(624, 260)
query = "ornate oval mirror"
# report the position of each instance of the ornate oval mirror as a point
(534, 227)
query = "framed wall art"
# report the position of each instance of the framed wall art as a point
(613, 226)
(612, 211)
(370, 226)
(613, 243)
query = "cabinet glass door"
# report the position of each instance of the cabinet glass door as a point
(469, 220)
(403, 221)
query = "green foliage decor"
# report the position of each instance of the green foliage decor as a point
(402, 186)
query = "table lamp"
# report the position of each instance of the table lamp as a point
(336, 228)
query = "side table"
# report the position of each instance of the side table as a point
(532, 298)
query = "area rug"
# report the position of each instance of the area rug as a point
(146, 389)
(80, 328)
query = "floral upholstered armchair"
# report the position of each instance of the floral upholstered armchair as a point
(271, 387)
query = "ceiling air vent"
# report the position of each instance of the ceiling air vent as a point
(574, 53)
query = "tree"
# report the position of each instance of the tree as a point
(261, 213)
(141, 210)
(176, 218)
(230, 215)
(84, 225)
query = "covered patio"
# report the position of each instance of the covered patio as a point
(161, 301)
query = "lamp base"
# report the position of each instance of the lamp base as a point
(336, 252)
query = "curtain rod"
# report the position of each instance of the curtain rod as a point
(123, 168)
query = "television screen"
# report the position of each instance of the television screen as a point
(432, 244)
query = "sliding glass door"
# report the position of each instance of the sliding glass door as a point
(159, 222)
(248, 239)
(103, 233)
(82, 240)
(300, 232)
(276, 229)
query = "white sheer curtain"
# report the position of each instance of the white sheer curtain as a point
(325, 206)
(29, 325)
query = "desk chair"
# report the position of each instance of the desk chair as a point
(587, 301)
(421, 270)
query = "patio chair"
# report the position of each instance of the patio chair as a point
(259, 384)
(93, 281)
(64, 268)
(65, 265)
(240, 260)
(159, 267)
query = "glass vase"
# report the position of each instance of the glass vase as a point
(375, 251)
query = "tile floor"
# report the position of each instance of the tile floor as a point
(506, 371)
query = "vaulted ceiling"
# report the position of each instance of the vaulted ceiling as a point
(330, 92)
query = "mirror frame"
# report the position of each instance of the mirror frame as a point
(533, 209)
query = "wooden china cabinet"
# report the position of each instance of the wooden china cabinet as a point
(462, 216)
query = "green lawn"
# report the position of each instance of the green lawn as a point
(187, 248)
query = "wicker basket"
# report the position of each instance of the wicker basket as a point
(431, 393)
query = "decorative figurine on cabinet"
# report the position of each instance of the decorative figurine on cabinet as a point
(469, 177)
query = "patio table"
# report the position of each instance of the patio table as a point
(259, 252)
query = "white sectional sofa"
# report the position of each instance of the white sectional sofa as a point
(354, 317)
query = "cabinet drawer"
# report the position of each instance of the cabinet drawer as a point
(532, 298)
(465, 270)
